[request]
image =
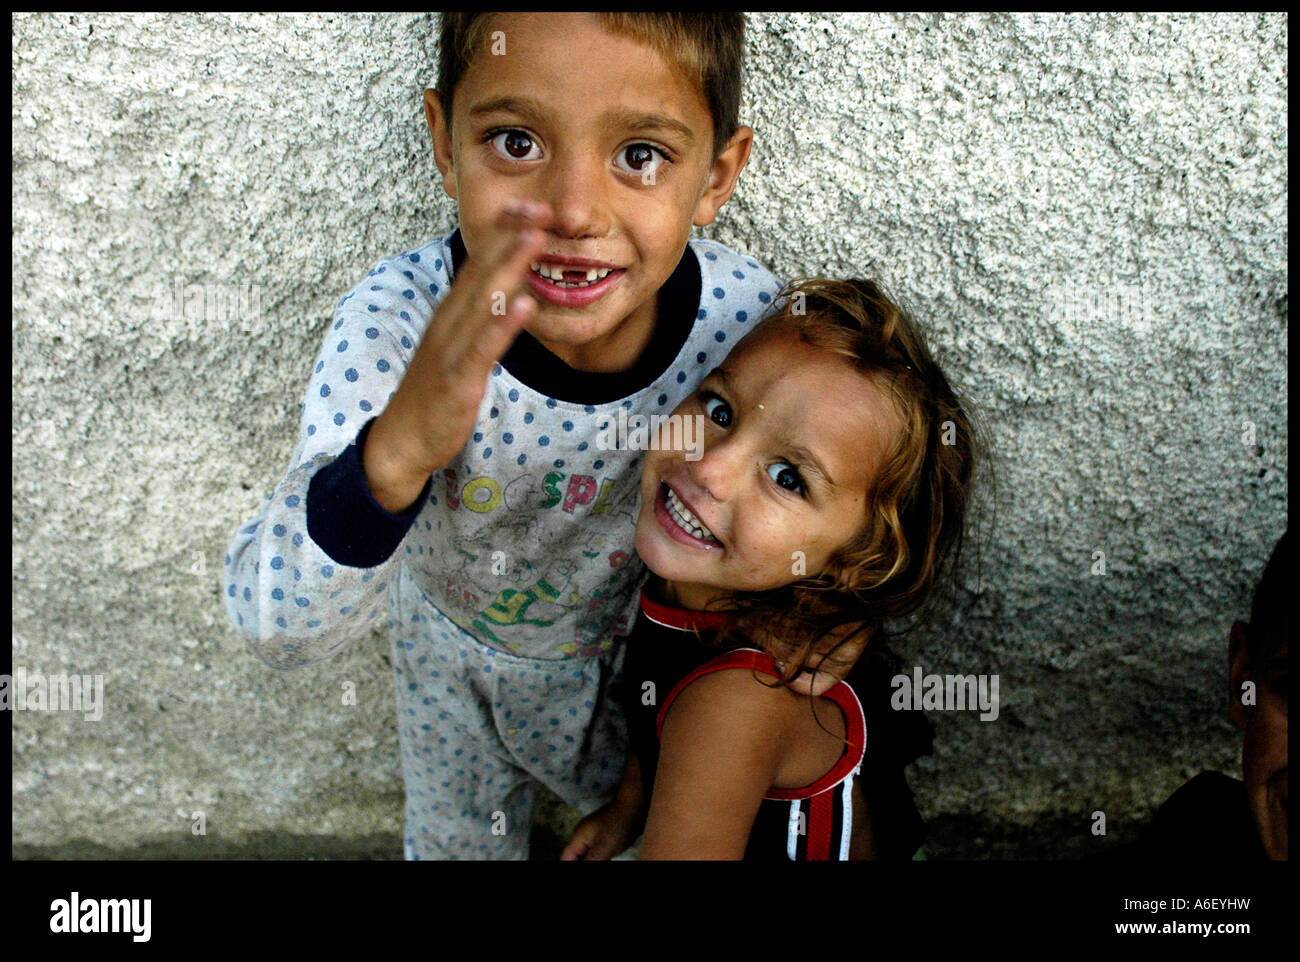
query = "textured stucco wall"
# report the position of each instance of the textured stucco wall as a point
(1089, 211)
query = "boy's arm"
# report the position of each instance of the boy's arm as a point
(309, 576)
(722, 744)
(294, 596)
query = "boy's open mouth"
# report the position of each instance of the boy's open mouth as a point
(572, 286)
(570, 278)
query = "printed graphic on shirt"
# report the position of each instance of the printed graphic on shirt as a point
(491, 587)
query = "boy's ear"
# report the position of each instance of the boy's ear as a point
(440, 129)
(1239, 670)
(723, 177)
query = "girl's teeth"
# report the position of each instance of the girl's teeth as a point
(686, 519)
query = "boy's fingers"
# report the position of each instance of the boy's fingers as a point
(508, 250)
(515, 226)
(485, 310)
(518, 213)
(508, 271)
(509, 310)
(574, 851)
(494, 298)
(520, 209)
(500, 244)
(501, 279)
(494, 339)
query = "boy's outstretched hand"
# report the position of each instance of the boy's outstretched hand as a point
(603, 834)
(432, 413)
(608, 831)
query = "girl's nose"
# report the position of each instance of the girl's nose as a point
(720, 469)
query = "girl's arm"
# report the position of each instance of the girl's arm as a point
(722, 744)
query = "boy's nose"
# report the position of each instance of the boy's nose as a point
(575, 192)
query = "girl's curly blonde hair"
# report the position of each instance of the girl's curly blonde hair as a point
(911, 534)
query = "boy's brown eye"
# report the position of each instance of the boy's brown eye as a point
(643, 160)
(517, 144)
(638, 156)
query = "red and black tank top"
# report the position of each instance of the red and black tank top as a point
(813, 823)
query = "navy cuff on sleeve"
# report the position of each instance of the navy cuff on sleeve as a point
(344, 518)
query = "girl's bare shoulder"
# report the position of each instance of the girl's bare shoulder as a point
(798, 737)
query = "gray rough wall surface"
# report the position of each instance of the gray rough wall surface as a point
(1090, 213)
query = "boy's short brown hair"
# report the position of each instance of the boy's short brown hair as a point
(708, 48)
(1270, 612)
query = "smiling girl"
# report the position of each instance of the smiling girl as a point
(830, 497)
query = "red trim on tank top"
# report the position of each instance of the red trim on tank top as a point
(681, 618)
(841, 694)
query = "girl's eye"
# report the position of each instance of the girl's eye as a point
(719, 411)
(787, 476)
(641, 159)
(513, 144)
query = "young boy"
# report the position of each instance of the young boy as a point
(1215, 817)
(448, 464)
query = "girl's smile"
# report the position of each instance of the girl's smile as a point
(681, 523)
